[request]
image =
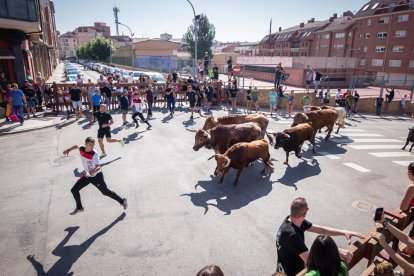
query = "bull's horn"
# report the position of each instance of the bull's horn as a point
(215, 155)
(228, 162)
(191, 130)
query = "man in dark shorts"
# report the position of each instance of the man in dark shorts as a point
(104, 121)
(92, 174)
(105, 90)
(290, 240)
(192, 98)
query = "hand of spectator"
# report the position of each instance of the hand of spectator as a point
(349, 235)
(66, 152)
(378, 237)
(346, 255)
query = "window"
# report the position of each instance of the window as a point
(398, 48)
(382, 35)
(325, 36)
(374, 6)
(411, 63)
(365, 49)
(340, 35)
(361, 36)
(362, 62)
(384, 20)
(377, 62)
(367, 36)
(350, 34)
(366, 7)
(400, 33)
(380, 49)
(368, 22)
(394, 63)
(18, 9)
(324, 47)
(402, 18)
(338, 46)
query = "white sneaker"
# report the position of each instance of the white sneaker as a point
(125, 204)
(76, 211)
(102, 155)
(122, 142)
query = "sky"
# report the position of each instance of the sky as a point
(234, 20)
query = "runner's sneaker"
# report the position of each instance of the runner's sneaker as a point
(136, 125)
(125, 204)
(76, 211)
(102, 155)
(122, 142)
(149, 126)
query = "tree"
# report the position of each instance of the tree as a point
(97, 49)
(205, 35)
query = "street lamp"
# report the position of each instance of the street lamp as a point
(132, 41)
(195, 37)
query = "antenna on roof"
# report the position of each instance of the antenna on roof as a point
(116, 11)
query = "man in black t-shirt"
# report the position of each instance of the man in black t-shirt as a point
(192, 98)
(105, 121)
(174, 77)
(105, 90)
(75, 95)
(290, 240)
(30, 94)
(216, 72)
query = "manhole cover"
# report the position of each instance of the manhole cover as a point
(363, 206)
(64, 159)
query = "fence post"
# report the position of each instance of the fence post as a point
(382, 85)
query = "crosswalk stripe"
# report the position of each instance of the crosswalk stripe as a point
(362, 140)
(330, 156)
(402, 163)
(392, 154)
(352, 130)
(362, 135)
(375, 146)
(356, 167)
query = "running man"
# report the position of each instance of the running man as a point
(92, 174)
(137, 103)
(192, 98)
(105, 121)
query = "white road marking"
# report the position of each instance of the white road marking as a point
(352, 130)
(402, 163)
(284, 122)
(362, 140)
(356, 167)
(392, 154)
(362, 135)
(375, 146)
(330, 156)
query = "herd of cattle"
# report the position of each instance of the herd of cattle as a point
(238, 140)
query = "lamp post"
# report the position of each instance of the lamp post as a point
(195, 37)
(132, 43)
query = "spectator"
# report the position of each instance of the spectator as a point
(338, 97)
(255, 99)
(391, 94)
(291, 102)
(7, 101)
(249, 100)
(210, 270)
(403, 103)
(192, 98)
(281, 96)
(306, 102)
(278, 74)
(309, 78)
(31, 101)
(327, 96)
(170, 95)
(317, 80)
(91, 91)
(75, 96)
(324, 258)
(124, 106)
(272, 102)
(150, 99)
(174, 77)
(208, 91)
(356, 101)
(349, 101)
(96, 100)
(233, 97)
(378, 103)
(17, 99)
(290, 241)
(3, 81)
(107, 92)
(79, 79)
(206, 63)
(101, 80)
(169, 78)
(230, 68)
(320, 96)
(216, 72)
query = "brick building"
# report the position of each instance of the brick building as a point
(384, 40)
(67, 45)
(85, 34)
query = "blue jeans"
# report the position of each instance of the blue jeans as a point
(171, 104)
(18, 110)
(277, 81)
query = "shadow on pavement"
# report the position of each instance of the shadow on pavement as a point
(189, 123)
(133, 137)
(304, 170)
(166, 119)
(71, 253)
(65, 124)
(252, 186)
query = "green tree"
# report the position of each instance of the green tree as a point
(97, 49)
(205, 35)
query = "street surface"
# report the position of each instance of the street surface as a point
(179, 218)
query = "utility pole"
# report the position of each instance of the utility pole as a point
(195, 38)
(116, 11)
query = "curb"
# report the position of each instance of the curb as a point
(34, 128)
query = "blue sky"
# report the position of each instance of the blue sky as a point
(235, 20)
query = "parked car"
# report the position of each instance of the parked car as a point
(156, 77)
(134, 76)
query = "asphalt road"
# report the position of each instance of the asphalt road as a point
(179, 218)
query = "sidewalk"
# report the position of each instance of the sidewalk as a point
(32, 124)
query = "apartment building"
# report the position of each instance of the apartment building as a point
(85, 34)
(384, 39)
(28, 42)
(67, 45)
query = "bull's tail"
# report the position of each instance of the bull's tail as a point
(271, 141)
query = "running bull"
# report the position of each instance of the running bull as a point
(410, 138)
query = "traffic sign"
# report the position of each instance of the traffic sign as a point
(236, 69)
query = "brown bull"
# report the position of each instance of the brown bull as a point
(222, 137)
(293, 138)
(240, 155)
(261, 120)
(318, 120)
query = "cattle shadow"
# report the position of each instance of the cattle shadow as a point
(330, 146)
(69, 254)
(303, 170)
(252, 186)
